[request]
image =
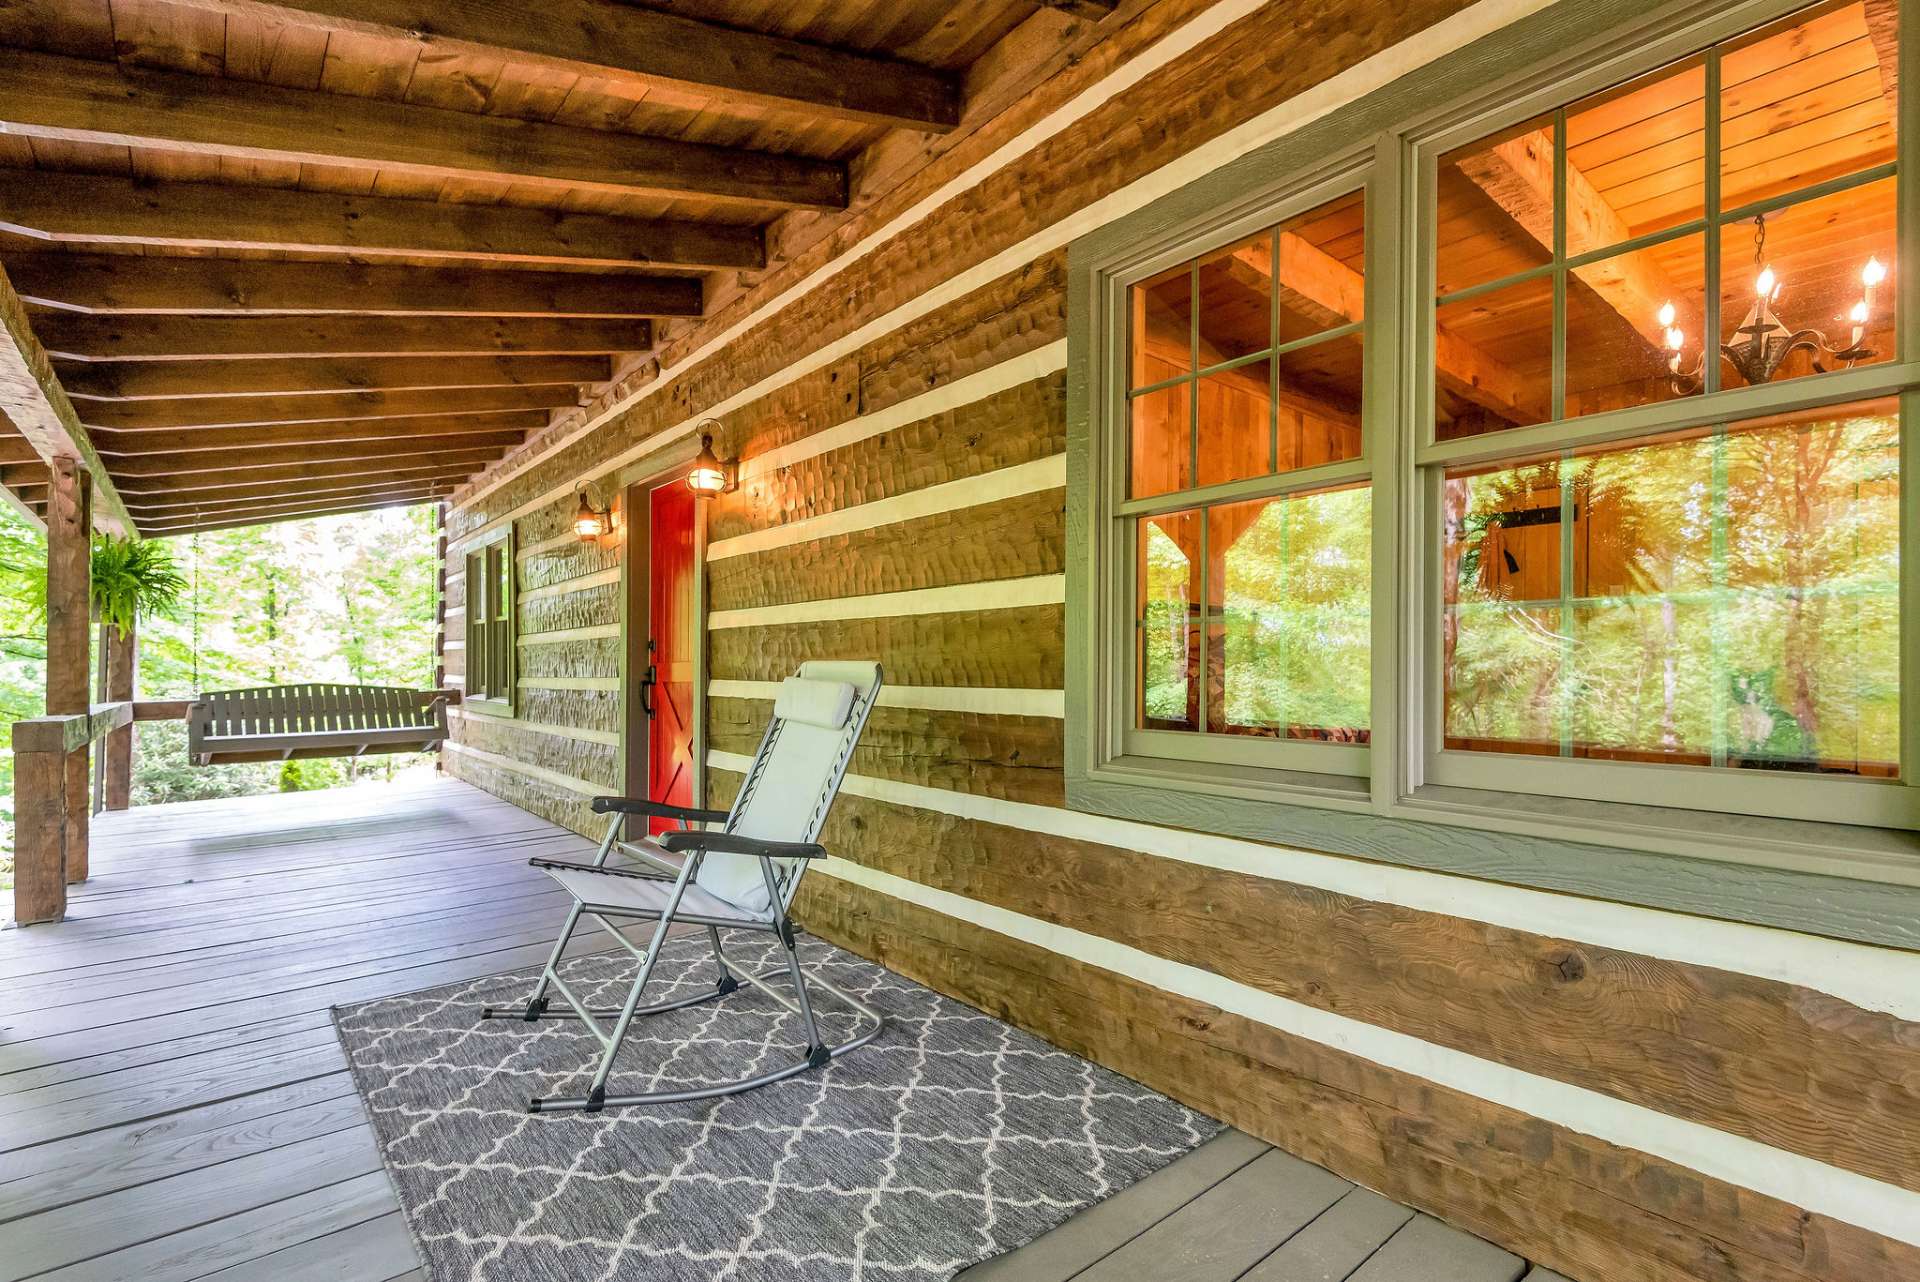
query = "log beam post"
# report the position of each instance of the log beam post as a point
(69, 592)
(123, 654)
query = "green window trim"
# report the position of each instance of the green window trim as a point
(1798, 869)
(492, 618)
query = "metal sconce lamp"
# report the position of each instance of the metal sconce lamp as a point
(709, 476)
(589, 522)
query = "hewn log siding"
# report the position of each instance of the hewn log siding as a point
(1013, 538)
(1024, 648)
(1785, 1066)
(1590, 1209)
(1014, 758)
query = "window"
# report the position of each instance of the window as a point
(1675, 298)
(1527, 459)
(490, 626)
(1247, 507)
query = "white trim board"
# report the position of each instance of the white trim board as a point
(1383, 68)
(993, 701)
(1880, 979)
(995, 594)
(606, 738)
(568, 683)
(1799, 1181)
(1032, 477)
(598, 632)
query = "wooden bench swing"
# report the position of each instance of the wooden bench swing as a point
(298, 722)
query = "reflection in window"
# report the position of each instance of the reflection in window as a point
(1724, 597)
(1169, 591)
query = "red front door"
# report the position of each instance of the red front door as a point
(672, 634)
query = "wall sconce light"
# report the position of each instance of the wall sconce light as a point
(589, 522)
(709, 476)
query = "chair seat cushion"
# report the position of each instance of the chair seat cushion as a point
(815, 703)
(646, 896)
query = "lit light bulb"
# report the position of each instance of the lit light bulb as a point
(1766, 284)
(1667, 315)
(1675, 339)
(1873, 273)
(1859, 318)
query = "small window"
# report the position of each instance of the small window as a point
(490, 626)
(1247, 511)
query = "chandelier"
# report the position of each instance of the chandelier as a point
(1762, 343)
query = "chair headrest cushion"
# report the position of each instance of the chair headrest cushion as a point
(816, 703)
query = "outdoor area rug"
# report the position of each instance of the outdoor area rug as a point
(951, 1138)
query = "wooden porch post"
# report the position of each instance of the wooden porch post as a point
(69, 592)
(123, 654)
(440, 617)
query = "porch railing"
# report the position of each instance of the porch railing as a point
(51, 796)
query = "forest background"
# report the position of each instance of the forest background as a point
(341, 598)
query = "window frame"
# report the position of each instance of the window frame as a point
(1398, 811)
(492, 625)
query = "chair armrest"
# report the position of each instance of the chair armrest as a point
(658, 809)
(733, 843)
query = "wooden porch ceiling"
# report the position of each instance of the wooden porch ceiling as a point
(273, 258)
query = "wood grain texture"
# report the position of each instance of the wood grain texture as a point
(1013, 758)
(580, 709)
(1021, 648)
(594, 762)
(1786, 1066)
(1589, 1209)
(121, 338)
(241, 411)
(1016, 426)
(587, 608)
(594, 658)
(1014, 538)
(159, 379)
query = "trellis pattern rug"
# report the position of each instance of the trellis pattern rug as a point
(951, 1138)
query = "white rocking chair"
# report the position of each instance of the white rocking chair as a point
(739, 876)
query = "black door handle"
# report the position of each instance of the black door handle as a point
(646, 692)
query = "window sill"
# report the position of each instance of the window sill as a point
(488, 707)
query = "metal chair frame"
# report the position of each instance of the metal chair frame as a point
(695, 843)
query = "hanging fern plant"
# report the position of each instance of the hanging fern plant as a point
(134, 579)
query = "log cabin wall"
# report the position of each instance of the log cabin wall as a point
(1723, 1102)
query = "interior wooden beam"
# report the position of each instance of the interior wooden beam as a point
(46, 95)
(157, 380)
(1518, 176)
(1320, 285)
(221, 286)
(287, 494)
(36, 407)
(1090, 9)
(344, 459)
(643, 48)
(526, 405)
(450, 429)
(14, 475)
(94, 209)
(118, 338)
(14, 448)
(164, 529)
(1883, 28)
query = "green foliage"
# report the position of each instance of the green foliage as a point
(133, 579)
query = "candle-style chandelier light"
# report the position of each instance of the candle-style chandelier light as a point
(1762, 343)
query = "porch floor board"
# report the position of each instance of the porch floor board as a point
(173, 1101)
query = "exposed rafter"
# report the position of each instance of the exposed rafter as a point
(221, 491)
(523, 403)
(162, 337)
(322, 376)
(448, 429)
(46, 95)
(90, 209)
(229, 518)
(347, 457)
(630, 45)
(217, 286)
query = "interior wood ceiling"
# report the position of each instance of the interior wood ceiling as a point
(295, 256)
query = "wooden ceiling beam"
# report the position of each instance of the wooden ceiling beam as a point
(14, 475)
(119, 338)
(144, 473)
(449, 429)
(34, 404)
(527, 406)
(372, 503)
(320, 376)
(45, 95)
(15, 448)
(121, 284)
(1883, 28)
(94, 209)
(1517, 175)
(283, 494)
(643, 48)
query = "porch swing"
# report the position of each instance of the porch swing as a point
(299, 722)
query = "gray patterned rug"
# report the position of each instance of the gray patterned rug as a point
(951, 1138)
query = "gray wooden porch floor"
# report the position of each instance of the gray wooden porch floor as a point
(174, 1104)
